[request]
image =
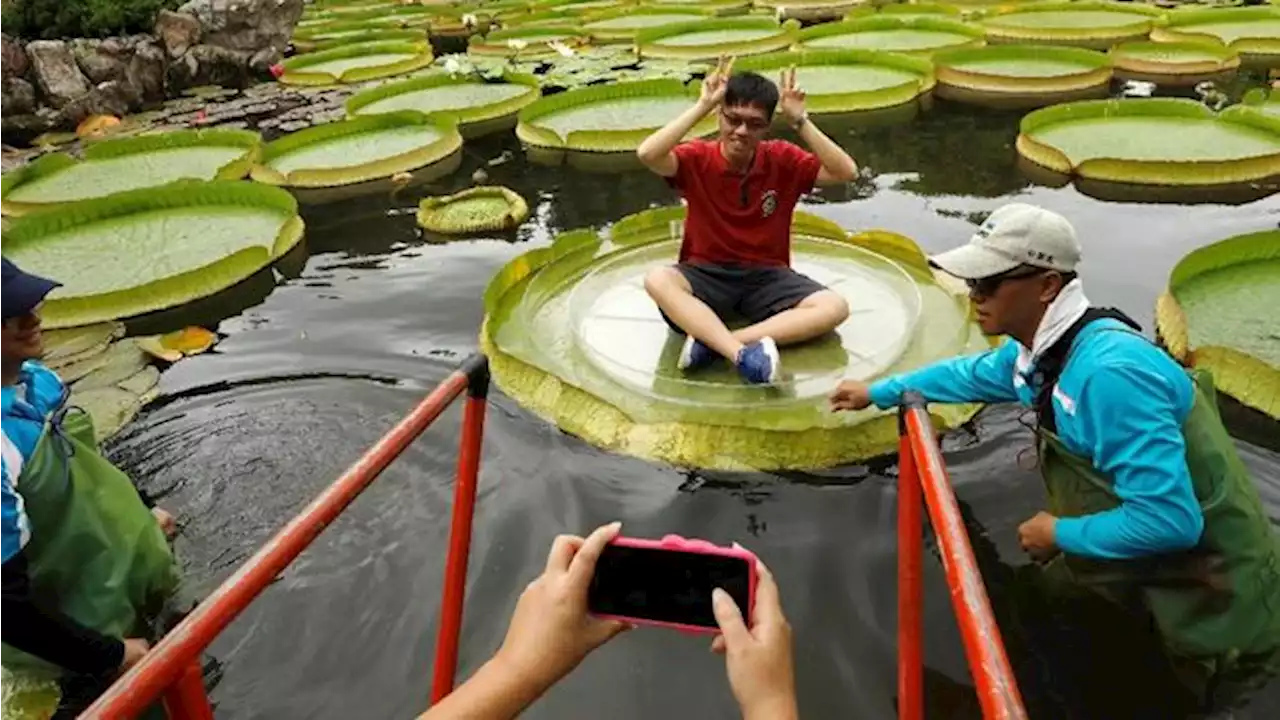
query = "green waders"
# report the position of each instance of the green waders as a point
(94, 545)
(1216, 606)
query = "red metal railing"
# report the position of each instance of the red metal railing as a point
(922, 475)
(171, 671)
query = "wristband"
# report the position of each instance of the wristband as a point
(800, 123)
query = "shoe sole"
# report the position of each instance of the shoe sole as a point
(775, 360)
(686, 355)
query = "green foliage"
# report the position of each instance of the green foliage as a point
(35, 19)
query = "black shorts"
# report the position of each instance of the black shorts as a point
(746, 294)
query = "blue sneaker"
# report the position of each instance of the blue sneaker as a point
(695, 355)
(758, 363)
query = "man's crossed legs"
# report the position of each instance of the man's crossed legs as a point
(780, 305)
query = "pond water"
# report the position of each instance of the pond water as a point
(318, 361)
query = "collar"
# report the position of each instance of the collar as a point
(1062, 313)
(720, 165)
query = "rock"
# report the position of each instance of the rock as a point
(250, 25)
(29, 126)
(261, 62)
(178, 31)
(13, 59)
(56, 71)
(113, 97)
(99, 60)
(19, 97)
(145, 72)
(213, 65)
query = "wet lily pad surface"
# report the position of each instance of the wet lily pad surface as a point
(1031, 67)
(1074, 19)
(619, 114)
(447, 97)
(1157, 138)
(716, 37)
(349, 150)
(339, 66)
(899, 40)
(109, 175)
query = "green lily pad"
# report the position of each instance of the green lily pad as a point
(336, 34)
(840, 81)
(608, 118)
(571, 335)
(709, 39)
(1097, 25)
(1025, 75)
(921, 35)
(1173, 63)
(622, 24)
(473, 103)
(527, 41)
(142, 250)
(478, 209)
(1158, 141)
(358, 150)
(1253, 32)
(1262, 100)
(129, 163)
(356, 62)
(1218, 314)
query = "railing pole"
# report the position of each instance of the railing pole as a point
(997, 688)
(910, 588)
(464, 505)
(151, 677)
(186, 699)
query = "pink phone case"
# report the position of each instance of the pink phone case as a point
(675, 543)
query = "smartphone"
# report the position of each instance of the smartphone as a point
(668, 582)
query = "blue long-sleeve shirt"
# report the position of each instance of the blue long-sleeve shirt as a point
(1120, 403)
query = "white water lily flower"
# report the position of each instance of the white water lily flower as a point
(452, 66)
(517, 44)
(470, 20)
(561, 48)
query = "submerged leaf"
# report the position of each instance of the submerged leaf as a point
(173, 346)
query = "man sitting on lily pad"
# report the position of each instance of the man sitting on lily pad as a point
(87, 566)
(1150, 509)
(741, 191)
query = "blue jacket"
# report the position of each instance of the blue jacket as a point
(38, 392)
(1120, 402)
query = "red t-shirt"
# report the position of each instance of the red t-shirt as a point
(741, 219)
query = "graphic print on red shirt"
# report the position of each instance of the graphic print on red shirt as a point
(741, 219)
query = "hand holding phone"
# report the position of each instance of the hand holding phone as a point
(669, 582)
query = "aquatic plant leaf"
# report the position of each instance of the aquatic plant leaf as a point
(571, 336)
(478, 209)
(810, 10)
(128, 163)
(356, 62)
(69, 344)
(173, 346)
(1040, 74)
(1219, 313)
(470, 101)
(1253, 32)
(364, 148)
(148, 249)
(607, 118)
(838, 81)
(1097, 25)
(1173, 63)
(709, 39)
(619, 25)
(1159, 141)
(892, 33)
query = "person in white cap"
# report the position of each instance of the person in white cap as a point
(1145, 488)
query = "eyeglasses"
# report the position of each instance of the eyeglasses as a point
(753, 124)
(987, 286)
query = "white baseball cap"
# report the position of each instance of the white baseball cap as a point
(1015, 234)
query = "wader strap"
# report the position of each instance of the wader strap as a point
(1049, 367)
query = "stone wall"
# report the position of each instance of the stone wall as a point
(54, 84)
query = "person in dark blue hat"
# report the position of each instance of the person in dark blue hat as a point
(87, 565)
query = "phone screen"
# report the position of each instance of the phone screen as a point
(665, 585)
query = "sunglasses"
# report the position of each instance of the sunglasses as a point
(754, 124)
(987, 286)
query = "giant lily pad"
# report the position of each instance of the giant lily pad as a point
(1156, 141)
(355, 63)
(334, 34)
(1262, 100)
(621, 24)
(527, 42)
(359, 150)
(129, 163)
(405, 14)
(460, 22)
(477, 106)
(719, 7)
(571, 335)
(810, 10)
(1096, 25)
(608, 118)
(1173, 63)
(708, 39)
(148, 249)
(914, 9)
(1021, 75)
(840, 81)
(1253, 32)
(1218, 313)
(921, 35)
(478, 209)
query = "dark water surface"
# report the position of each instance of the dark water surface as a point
(308, 377)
